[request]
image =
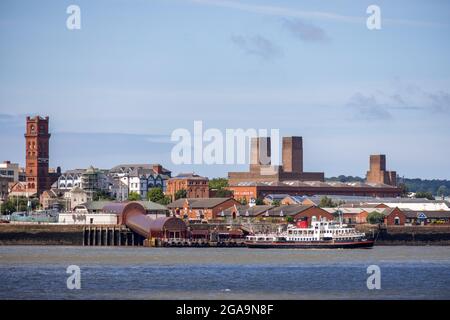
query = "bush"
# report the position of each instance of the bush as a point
(134, 196)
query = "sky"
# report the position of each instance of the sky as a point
(137, 70)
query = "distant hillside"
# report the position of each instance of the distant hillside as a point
(413, 185)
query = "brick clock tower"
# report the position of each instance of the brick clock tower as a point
(37, 155)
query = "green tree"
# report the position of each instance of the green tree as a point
(326, 202)
(427, 195)
(375, 217)
(165, 201)
(180, 194)
(218, 183)
(8, 207)
(276, 203)
(404, 189)
(14, 204)
(102, 195)
(224, 193)
(289, 219)
(134, 196)
(259, 202)
(243, 201)
(442, 191)
(155, 194)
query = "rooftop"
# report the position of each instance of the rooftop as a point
(191, 176)
(198, 203)
(314, 184)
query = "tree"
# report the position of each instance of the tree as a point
(442, 191)
(427, 195)
(259, 202)
(14, 204)
(101, 195)
(218, 183)
(375, 217)
(134, 196)
(243, 201)
(326, 202)
(155, 195)
(404, 189)
(165, 201)
(158, 196)
(276, 203)
(289, 219)
(180, 194)
(8, 207)
(224, 193)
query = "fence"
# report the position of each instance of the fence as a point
(33, 218)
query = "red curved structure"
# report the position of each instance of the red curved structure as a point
(133, 215)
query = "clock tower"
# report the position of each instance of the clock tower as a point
(37, 155)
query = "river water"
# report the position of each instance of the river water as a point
(39, 272)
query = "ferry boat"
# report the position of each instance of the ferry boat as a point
(321, 235)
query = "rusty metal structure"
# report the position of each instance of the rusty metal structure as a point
(133, 215)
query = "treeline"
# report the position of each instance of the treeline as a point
(419, 185)
(412, 185)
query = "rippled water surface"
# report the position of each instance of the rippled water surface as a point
(34, 272)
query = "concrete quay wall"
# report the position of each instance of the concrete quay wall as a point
(41, 234)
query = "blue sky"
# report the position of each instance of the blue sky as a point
(116, 89)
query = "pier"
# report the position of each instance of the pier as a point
(111, 236)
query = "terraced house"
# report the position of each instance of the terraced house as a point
(138, 178)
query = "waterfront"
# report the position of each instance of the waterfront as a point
(38, 272)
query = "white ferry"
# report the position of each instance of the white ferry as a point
(321, 235)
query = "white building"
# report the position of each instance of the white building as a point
(88, 218)
(432, 205)
(70, 179)
(138, 178)
(91, 180)
(75, 197)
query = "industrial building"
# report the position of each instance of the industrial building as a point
(264, 179)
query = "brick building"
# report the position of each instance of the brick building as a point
(201, 208)
(377, 172)
(262, 170)
(264, 179)
(195, 186)
(254, 190)
(38, 175)
(415, 217)
(394, 216)
(278, 213)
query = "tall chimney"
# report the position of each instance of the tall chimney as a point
(293, 154)
(260, 153)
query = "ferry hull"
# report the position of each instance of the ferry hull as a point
(367, 244)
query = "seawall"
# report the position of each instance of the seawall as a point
(34, 234)
(74, 235)
(408, 235)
